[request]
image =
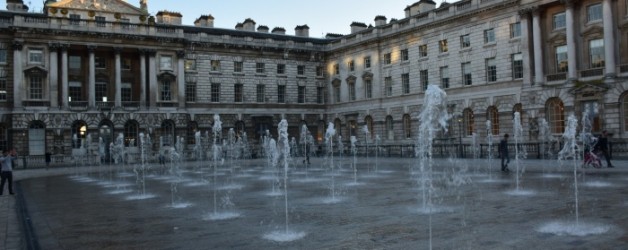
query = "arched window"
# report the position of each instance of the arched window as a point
(407, 126)
(555, 111)
(624, 106)
(131, 131)
(390, 132)
(167, 132)
(469, 122)
(493, 115)
(79, 133)
(37, 138)
(191, 133)
(368, 121)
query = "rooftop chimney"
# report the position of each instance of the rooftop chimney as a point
(168, 17)
(205, 21)
(248, 25)
(262, 29)
(239, 26)
(302, 30)
(420, 7)
(380, 20)
(356, 27)
(16, 6)
(279, 31)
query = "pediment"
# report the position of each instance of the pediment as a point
(336, 82)
(592, 30)
(35, 70)
(558, 38)
(118, 6)
(367, 75)
(167, 76)
(351, 78)
(588, 90)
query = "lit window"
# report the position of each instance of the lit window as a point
(215, 65)
(442, 46)
(351, 65)
(190, 64)
(423, 50)
(556, 115)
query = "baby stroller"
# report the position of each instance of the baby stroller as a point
(592, 159)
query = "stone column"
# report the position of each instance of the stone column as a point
(118, 69)
(181, 78)
(572, 67)
(18, 81)
(53, 89)
(64, 76)
(142, 78)
(91, 85)
(538, 53)
(609, 38)
(153, 89)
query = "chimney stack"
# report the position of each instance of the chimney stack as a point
(278, 31)
(248, 25)
(262, 29)
(205, 21)
(357, 27)
(380, 20)
(302, 30)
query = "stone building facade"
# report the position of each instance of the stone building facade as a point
(101, 68)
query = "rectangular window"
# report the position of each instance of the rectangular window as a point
(260, 68)
(561, 59)
(423, 50)
(515, 29)
(596, 50)
(165, 90)
(237, 67)
(558, 20)
(351, 65)
(337, 93)
(368, 88)
(387, 58)
(405, 56)
(75, 92)
(101, 91)
(594, 12)
(388, 85)
(465, 41)
(423, 79)
(444, 77)
(215, 65)
(125, 64)
(301, 70)
(165, 63)
(261, 96)
(281, 93)
(126, 92)
(319, 71)
(35, 56)
(405, 83)
(517, 66)
(442, 46)
(74, 62)
(3, 56)
(301, 94)
(238, 91)
(190, 92)
(3, 89)
(75, 19)
(367, 62)
(215, 92)
(36, 88)
(489, 36)
(100, 21)
(281, 69)
(320, 95)
(190, 65)
(100, 62)
(351, 91)
(491, 70)
(336, 69)
(466, 74)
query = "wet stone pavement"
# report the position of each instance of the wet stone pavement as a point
(241, 205)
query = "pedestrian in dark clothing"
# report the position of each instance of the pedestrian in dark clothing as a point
(503, 153)
(6, 160)
(602, 146)
(48, 159)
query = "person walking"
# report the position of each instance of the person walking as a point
(6, 160)
(503, 153)
(602, 146)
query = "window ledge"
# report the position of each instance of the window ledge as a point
(466, 49)
(491, 44)
(445, 54)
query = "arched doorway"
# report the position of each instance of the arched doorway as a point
(105, 138)
(37, 138)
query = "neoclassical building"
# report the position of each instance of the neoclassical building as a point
(101, 68)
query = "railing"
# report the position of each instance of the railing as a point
(463, 5)
(78, 105)
(592, 72)
(557, 77)
(129, 104)
(166, 104)
(104, 105)
(36, 103)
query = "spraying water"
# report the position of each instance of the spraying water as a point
(354, 150)
(433, 118)
(520, 152)
(367, 138)
(489, 140)
(329, 141)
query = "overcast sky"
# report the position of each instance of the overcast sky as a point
(322, 16)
